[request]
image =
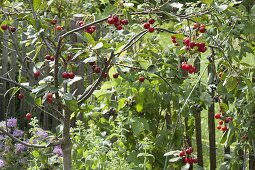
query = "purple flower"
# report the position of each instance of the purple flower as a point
(18, 133)
(19, 148)
(2, 137)
(1, 163)
(57, 150)
(42, 134)
(12, 122)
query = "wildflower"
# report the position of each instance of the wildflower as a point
(57, 150)
(2, 137)
(12, 122)
(1, 163)
(19, 148)
(18, 133)
(42, 134)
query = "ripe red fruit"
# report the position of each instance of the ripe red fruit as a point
(115, 75)
(182, 153)
(52, 58)
(97, 69)
(217, 116)
(124, 21)
(196, 25)
(4, 27)
(104, 75)
(13, 29)
(49, 100)
(37, 73)
(146, 25)
(116, 18)
(81, 23)
(219, 127)
(220, 122)
(47, 57)
(189, 150)
(71, 75)
(174, 41)
(227, 120)
(230, 119)
(141, 79)
(224, 128)
(50, 95)
(202, 29)
(53, 21)
(28, 116)
(186, 41)
(119, 27)
(195, 160)
(151, 21)
(186, 160)
(65, 75)
(110, 20)
(58, 28)
(93, 27)
(151, 29)
(21, 96)
(192, 69)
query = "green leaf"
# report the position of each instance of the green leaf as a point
(152, 69)
(128, 4)
(72, 104)
(208, 2)
(175, 153)
(230, 136)
(137, 127)
(230, 83)
(145, 155)
(36, 154)
(175, 159)
(39, 88)
(81, 37)
(206, 98)
(68, 96)
(121, 103)
(185, 167)
(90, 39)
(98, 46)
(36, 4)
(90, 59)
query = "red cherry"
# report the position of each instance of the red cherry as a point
(227, 120)
(52, 58)
(116, 18)
(189, 150)
(50, 100)
(105, 75)
(119, 27)
(115, 75)
(65, 75)
(13, 29)
(174, 41)
(151, 21)
(230, 119)
(182, 153)
(93, 27)
(186, 41)
(202, 29)
(192, 69)
(219, 127)
(220, 122)
(97, 69)
(37, 73)
(81, 23)
(141, 79)
(50, 95)
(186, 160)
(58, 28)
(196, 25)
(146, 25)
(195, 160)
(151, 29)
(71, 75)
(110, 20)
(28, 116)
(124, 22)
(21, 96)
(217, 116)
(192, 44)
(224, 129)
(4, 27)
(47, 57)
(53, 21)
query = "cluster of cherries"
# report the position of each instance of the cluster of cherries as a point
(188, 67)
(4, 27)
(49, 57)
(187, 157)
(67, 75)
(117, 22)
(148, 26)
(190, 44)
(37, 73)
(199, 27)
(222, 120)
(21, 97)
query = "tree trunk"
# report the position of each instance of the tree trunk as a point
(67, 143)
